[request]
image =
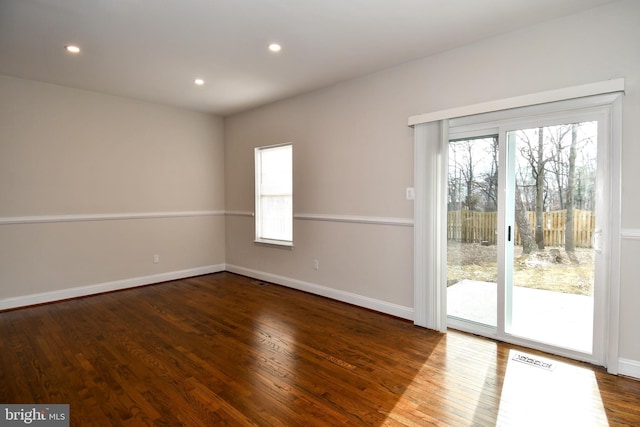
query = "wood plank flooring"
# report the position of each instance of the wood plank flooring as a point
(224, 349)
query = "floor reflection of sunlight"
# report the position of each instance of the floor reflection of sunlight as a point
(479, 387)
(461, 391)
(566, 395)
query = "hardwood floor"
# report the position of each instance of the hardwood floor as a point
(225, 349)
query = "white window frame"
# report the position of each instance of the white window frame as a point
(260, 208)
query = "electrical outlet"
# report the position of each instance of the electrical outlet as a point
(156, 259)
(316, 264)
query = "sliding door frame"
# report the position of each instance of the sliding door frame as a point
(430, 209)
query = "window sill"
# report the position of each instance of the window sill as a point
(271, 242)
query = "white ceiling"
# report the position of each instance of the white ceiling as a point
(153, 49)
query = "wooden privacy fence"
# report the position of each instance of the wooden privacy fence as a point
(477, 227)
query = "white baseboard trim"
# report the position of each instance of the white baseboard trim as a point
(629, 368)
(348, 297)
(82, 291)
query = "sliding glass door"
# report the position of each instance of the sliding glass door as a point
(552, 222)
(526, 222)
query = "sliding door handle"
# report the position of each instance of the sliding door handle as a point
(508, 233)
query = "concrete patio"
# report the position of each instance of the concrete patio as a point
(560, 319)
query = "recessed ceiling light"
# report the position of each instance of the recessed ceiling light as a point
(199, 82)
(275, 47)
(72, 48)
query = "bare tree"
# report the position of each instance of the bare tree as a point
(488, 185)
(539, 175)
(472, 179)
(535, 156)
(522, 220)
(558, 165)
(467, 170)
(454, 180)
(569, 242)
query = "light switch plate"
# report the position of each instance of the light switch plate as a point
(411, 193)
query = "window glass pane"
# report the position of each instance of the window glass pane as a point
(276, 170)
(276, 217)
(472, 224)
